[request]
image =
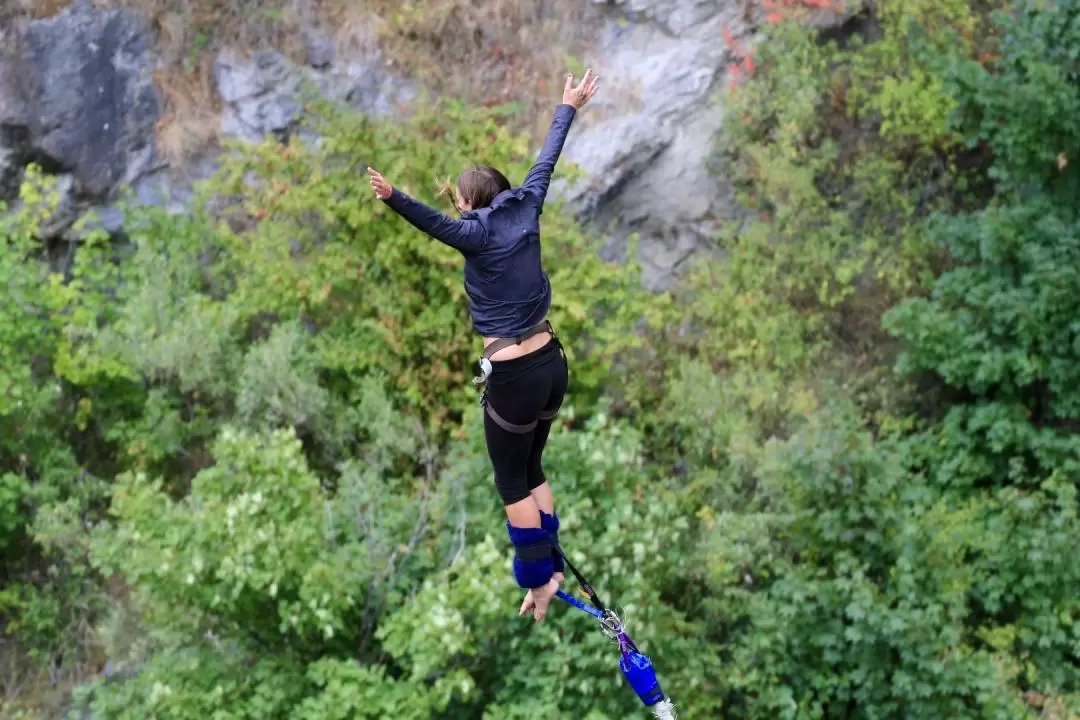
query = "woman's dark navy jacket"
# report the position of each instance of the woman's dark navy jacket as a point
(507, 287)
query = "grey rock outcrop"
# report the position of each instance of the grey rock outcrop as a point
(262, 94)
(80, 87)
(646, 139)
(644, 145)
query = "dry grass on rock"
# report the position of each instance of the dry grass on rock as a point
(486, 52)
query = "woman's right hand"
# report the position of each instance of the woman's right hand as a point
(379, 185)
(582, 93)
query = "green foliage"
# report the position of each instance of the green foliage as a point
(838, 151)
(21, 324)
(848, 575)
(859, 563)
(203, 682)
(842, 582)
(240, 459)
(999, 330)
(1000, 326)
(13, 491)
(261, 566)
(48, 595)
(250, 550)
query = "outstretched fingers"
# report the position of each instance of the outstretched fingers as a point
(585, 80)
(589, 85)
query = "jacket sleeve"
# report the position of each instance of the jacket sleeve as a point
(465, 236)
(539, 176)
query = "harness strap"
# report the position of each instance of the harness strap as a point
(518, 429)
(506, 424)
(485, 367)
(497, 345)
(507, 342)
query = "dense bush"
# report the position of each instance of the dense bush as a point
(387, 595)
(923, 572)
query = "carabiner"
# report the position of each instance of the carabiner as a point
(485, 372)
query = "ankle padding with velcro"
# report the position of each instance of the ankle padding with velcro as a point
(532, 556)
(551, 524)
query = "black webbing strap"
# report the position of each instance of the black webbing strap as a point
(585, 585)
(536, 551)
(497, 345)
(517, 429)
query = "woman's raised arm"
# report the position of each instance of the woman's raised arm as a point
(465, 236)
(574, 98)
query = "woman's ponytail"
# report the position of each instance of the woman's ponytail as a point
(447, 188)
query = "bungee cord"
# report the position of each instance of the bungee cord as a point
(636, 667)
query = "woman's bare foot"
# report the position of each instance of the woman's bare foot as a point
(537, 600)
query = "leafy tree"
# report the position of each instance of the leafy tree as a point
(999, 328)
(260, 564)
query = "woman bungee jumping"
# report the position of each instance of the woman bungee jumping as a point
(523, 368)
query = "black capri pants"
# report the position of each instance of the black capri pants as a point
(524, 391)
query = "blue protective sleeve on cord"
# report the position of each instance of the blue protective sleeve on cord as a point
(638, 671)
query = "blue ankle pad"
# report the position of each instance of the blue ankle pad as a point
(532, 556)
(551, 524)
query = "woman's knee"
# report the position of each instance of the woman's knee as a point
(512, 488)
(536, 477)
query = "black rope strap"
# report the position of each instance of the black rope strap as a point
(585, 584)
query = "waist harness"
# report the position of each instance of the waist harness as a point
(485, 373)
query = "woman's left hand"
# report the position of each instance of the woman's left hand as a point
(379, 185)
(538, 599)
(583, 92)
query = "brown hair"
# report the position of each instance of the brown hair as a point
(476, 187)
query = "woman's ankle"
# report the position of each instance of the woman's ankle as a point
(524, 513)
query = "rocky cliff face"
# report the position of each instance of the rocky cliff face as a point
(77, 95)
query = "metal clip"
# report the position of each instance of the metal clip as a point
(485, 372)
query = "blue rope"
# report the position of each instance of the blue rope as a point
(580, 605)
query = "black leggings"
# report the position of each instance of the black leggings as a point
(520, 390)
